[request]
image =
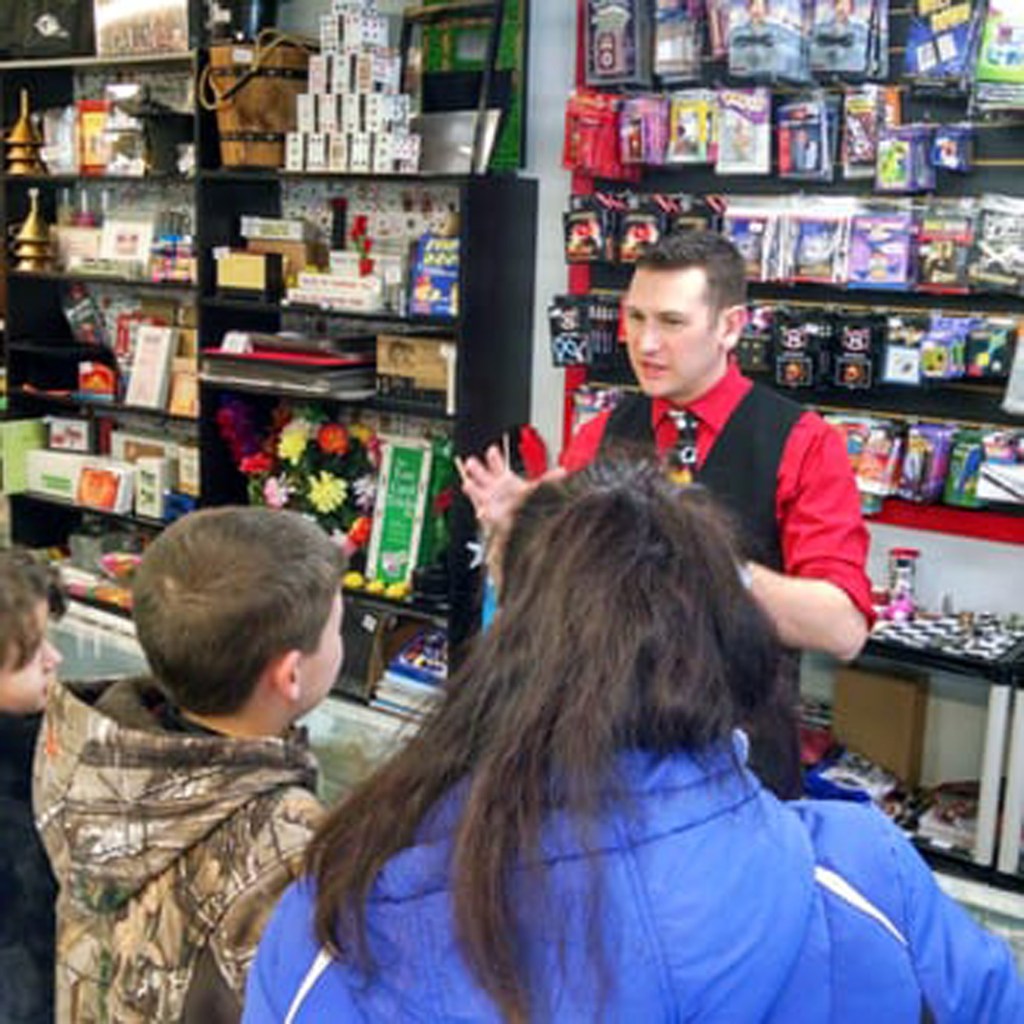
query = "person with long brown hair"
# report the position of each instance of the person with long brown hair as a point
(574, 835)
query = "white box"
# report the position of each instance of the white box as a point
(364, 72)
(188, 469)
(337, 152)
(129, 447)
(344, 263)
(306, 111)
(406, 152)
(152, 482)
(383, 154)
(341, 71)
(387, 70)
(319, 72)
(316, 152)
(274, 229)
(351, 114)
(360, 152)
(344, 6)
(69, 434)
(352, 30)
(327, 112)
(374, 30)
(295, 151)
(106, 484)
(374, 112)
(54, 474)
(330, 33)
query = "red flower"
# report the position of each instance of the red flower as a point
(365, 266)
(443, 500)
(360, 225)
(333, 439)
(359, 534)
(258, 463)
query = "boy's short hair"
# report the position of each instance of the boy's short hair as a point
(25, 582)
(704, 250)
(222, 592)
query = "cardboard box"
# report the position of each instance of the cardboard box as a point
(419, 361)
(882, 716)
(295, 256)
(18, 438)
(54, 474)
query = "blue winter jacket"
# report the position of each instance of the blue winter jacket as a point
(717, 903)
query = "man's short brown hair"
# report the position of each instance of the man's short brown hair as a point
(705, 250)
(25, 583)
(222, 592)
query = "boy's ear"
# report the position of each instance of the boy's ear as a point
(283, 676)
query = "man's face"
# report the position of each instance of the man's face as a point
(319, 670)
(678, 346)
(23, 691)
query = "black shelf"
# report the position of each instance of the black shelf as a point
(266, 307)
(259, 175)
(955, 862)
(165, 178)
(411, 606)
(1006, 671)
(99, 408)
(140, 283)
(71, 506)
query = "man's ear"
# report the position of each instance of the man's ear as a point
(282, 675)
(731, 323)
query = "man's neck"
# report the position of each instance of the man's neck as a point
(699, 392)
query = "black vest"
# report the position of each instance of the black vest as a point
(741, 470)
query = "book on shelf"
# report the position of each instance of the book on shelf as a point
(150, 375)
(350, 376)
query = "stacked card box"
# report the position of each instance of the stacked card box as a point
(354, 119)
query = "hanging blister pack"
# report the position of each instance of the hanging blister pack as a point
(841, 37)
(881, 249)
(806, 138)
(618, 42)
(744, 131)
(678, 33)
(945, 238)
(767, 41)
(691, 127)
(996, 262)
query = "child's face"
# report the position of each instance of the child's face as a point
(23, 691)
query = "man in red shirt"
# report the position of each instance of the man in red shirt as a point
(782, 472)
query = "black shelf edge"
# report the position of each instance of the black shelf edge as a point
(382, 403)
(71, 506)
(409, 606)
(263, 306)
(280, 390)
(108, 279)
(166, 178)
(955, 862)
(94, 61)
(102, 408)
(985, 673)
(59, 348)
(243, 175)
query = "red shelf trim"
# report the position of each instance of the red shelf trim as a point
(963, 522)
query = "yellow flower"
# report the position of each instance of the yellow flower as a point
(292, 443)
(360, 432)
(327, 492)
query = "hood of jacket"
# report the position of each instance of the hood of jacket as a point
(119, 799)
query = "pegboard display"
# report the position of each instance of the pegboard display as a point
(397, 212)
(839, 183)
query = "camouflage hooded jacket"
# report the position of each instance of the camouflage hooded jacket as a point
(170, 849)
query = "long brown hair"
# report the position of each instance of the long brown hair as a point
(624, 624)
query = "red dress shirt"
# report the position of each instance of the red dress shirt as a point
(817, 506)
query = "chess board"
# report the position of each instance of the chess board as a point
(983, 637)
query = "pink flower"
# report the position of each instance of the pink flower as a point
(276, 492)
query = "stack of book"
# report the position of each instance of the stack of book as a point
(413, 681)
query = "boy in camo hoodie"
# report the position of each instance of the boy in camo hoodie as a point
(176, 809)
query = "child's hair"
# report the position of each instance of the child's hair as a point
(25, 582)
(222, 592)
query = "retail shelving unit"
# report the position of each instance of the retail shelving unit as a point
(492, 333)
